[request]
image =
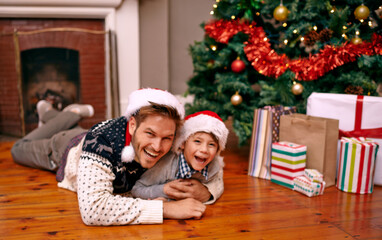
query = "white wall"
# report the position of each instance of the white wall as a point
(185, 19)
(167, 28)
(154, 44)
(127, 31)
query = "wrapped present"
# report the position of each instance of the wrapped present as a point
(313, 175)
(288, 161)
(356, 165)
(304, 185)
(359, 116)
(266, 123)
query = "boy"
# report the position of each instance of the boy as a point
(196, 155)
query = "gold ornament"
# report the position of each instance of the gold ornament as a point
(361, 12)
(280, 13)
(236, 99)
(356, 40)
(297, 88)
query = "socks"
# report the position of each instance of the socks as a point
(42, 107)
(84, 110)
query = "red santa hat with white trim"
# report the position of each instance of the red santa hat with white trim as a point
(204, 121)
(141, 98)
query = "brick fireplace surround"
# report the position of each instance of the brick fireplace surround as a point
(91, 48)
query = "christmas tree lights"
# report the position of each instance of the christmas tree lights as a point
(258, 60)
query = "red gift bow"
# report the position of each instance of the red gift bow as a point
(358, 132)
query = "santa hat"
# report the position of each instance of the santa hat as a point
(204, 121)
(141, 98)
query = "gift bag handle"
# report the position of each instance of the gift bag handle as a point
(300, 121)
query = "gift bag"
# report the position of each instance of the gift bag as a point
(266, 122)
(320, 137)
(356, 165)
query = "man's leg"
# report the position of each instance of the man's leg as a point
(44, 153)
(41, 147)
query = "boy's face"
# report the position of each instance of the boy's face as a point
(152, 139)
(199, 150)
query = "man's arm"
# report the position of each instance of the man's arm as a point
(187, 188)
(99, 206)
(150, 185)
(183, 209)
(207, 193)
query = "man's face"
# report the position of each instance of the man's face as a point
(152, 139)
(199, 150)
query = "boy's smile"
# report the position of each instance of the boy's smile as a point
(199, 150)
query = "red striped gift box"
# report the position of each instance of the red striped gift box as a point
(356, 165)
(288, 161)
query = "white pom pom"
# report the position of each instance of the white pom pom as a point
(128, 154)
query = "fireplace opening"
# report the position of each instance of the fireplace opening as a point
(51, 74)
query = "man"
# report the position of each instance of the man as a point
(103, 167)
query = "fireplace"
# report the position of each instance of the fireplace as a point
(50, 74)
(60, 60)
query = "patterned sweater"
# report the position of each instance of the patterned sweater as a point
(102, 181)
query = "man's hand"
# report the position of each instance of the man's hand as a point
(183, 209)
(187, 188)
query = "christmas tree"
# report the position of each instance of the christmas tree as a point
(268, 52)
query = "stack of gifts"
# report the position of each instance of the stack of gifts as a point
(310, 184)
(356, 165)
(266, 123)
(359, 116)
(288, 162)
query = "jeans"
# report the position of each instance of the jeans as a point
(44, 146)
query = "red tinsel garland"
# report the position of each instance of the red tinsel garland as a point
(269, 63)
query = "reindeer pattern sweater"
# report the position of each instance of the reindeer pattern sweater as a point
(102, 181)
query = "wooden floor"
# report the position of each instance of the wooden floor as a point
(32, 207)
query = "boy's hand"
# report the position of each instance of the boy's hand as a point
(187, 188)
(183, 209)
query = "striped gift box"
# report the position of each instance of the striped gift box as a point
(288, 161)
(303, 185)
(356, 165)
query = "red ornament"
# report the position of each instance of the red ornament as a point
(237, 66)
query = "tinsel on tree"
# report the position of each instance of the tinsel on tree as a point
(257, 53)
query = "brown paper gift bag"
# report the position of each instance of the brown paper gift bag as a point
(319, 135)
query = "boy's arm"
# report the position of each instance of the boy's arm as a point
(207, 193)
(151, 183)
(215, 187)
(143, 189)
